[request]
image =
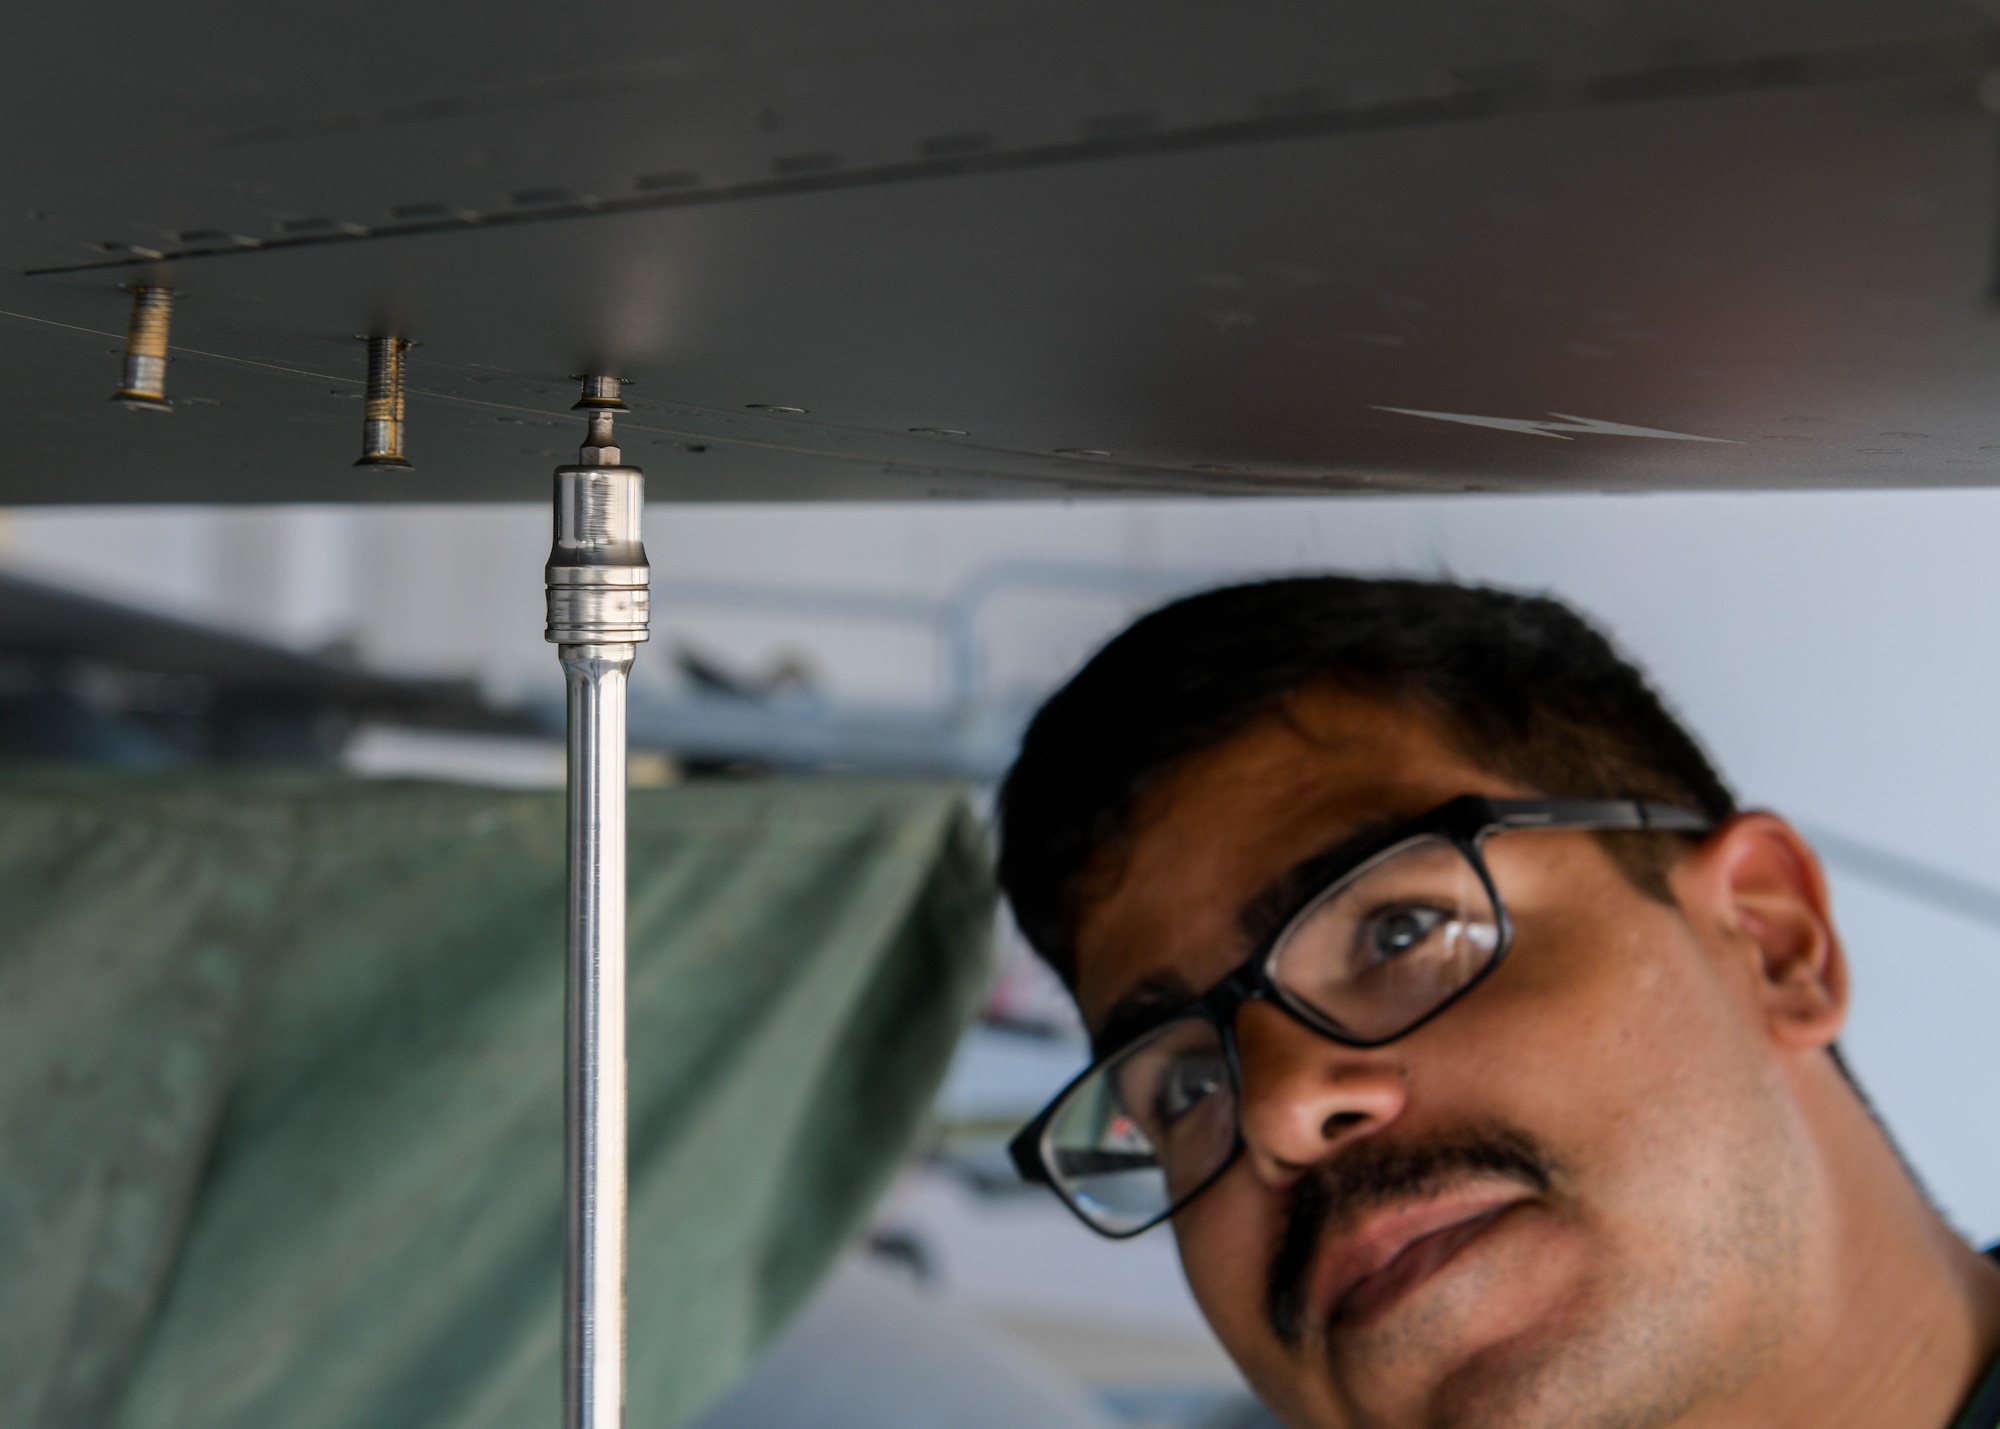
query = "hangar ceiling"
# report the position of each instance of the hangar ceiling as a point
(1008, 248)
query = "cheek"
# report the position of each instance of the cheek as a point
(1226, 1239)
(1635, 1063)
(1600, 1018)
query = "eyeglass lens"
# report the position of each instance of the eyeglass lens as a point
(1372, 956)
(1146, 1130)
(1392, 942)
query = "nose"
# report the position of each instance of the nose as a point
(1305, 1096)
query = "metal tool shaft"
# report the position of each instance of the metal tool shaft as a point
(594, 1082)
(598, 608)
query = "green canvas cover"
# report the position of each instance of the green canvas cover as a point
(281, 1085)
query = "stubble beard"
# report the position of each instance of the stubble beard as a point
(1648, 1363)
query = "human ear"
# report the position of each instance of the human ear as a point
(1765, 898)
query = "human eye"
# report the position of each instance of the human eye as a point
(1184, 1083)
(1396, 930)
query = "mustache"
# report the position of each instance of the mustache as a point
(1375, 1174)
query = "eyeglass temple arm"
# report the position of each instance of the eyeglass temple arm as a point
(1606, 814)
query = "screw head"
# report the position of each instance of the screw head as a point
(600, 394)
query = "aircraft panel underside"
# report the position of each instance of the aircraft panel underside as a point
(1008, 249)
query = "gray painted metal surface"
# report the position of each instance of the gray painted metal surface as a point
(1008, 247)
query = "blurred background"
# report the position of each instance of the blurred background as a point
(1836, 651)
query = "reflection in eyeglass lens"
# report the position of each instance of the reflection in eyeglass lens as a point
(1392, 942)
(1148, 1128)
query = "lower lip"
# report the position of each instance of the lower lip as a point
(1374, 1295)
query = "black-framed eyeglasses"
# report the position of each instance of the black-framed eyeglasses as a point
(1383, 942)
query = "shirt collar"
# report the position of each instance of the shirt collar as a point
(1982, 1410)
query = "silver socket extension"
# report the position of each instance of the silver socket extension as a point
(599, 584)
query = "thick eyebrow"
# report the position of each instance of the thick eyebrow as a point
(1160, 994)
(1155, 995)
(1265, 915)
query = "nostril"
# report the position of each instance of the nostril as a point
(1340, 1121)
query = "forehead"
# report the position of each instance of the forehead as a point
(1221, 827)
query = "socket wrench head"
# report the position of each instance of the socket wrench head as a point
(598, 579)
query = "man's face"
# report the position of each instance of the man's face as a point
(1575, 1198)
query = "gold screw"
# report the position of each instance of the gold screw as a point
(145, 385)
(382, 422)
